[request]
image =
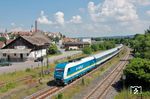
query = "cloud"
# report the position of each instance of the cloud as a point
(59, 17)
(13, 24)
(144, 2)
(43, 19)
(121, 10)
(76, 19)
(148, 13)
(92, 8)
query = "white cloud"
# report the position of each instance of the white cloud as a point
(76, 19)
(144, 2)
(122, 10)
(13, 24)
(43, 19)
(148, 13)
(59, 17)
(92, 8)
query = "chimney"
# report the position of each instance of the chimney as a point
(35, 25)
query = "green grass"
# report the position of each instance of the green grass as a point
(7, 87)
(125, 94)
(50, 55)
(81, 85)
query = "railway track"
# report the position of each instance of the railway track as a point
(103, 87)
(54, 90)
(26, 78)
(46, 93)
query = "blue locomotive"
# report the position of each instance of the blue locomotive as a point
(69, 71)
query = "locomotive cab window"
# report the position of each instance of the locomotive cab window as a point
(59, 70)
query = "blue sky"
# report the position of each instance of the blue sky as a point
(77, 17)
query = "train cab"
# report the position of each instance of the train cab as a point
(59, 73)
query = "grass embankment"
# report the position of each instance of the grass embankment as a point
(13, 83)
(16, 80)
(86, 81)
(125, 94)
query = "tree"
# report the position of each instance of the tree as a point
(138, 71)
(87, 50)
(3, 39)
(56, 39)
(95, 47)
(102, 46)
(52, 49)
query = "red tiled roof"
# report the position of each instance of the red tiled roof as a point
(1, 44)
(8, 41)
(23, 33)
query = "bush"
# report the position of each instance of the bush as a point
(87, 50)
(95, 47)
(138, 70)
(60, 96)
(52, 49)
(28, 70)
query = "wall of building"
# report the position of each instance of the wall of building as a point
(86, 40)
(37, 53)
(17, 57)
(73, 47)
(14, 56)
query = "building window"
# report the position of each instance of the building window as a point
(4, 54)
(15, 54)
(27, 54)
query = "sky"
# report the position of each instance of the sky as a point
(77, 18)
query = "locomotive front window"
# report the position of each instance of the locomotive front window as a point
(59, 70)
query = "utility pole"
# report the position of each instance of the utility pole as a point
(47, 58)
(124, 77)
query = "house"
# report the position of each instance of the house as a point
(25, 47)
(75, 45)
(67, 39)
(22, 33)
(54, 35)
(86, 40)
(5, 35)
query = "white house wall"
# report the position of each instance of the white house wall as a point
(13, 55)
(37, 54)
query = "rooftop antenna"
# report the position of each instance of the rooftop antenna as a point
(35, 25)
(6, 30)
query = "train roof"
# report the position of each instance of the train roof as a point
(61, 65)
(106, 52)
(71, 64)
